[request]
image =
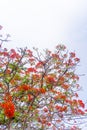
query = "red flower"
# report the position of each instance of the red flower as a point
(29, 53)
(80, 112)
(77, 59)
(50, 79)
(30, 97)
(81, 104)
(61, 108)
(48, 123)
(45, 109)
(9, 109)
(24, 87)
(72, 54)
(1, 84)
(39, 64)
(31, 70)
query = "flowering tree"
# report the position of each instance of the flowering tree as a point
(38, 91)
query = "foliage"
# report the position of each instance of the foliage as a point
(39, 90)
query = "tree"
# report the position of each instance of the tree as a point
(39, 90)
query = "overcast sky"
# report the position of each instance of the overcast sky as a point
(46, 23)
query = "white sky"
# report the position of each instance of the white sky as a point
(42, 23)
(46, 23)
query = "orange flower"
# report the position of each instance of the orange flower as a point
(60, 97)
(65, 86)
(36, 77)
(30, 108)
(61, 80)
(9, 109)
(61, 108)
(24, 87)
(63, 97)
(74, 103)
(64, 108)
(50, 79)
(42, 90)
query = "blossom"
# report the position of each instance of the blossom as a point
(81, 104)
(72, 54)
(30, 97)
(50, 79)
(24, 87)
(77, 59)
(45, 109)
(65, 86)
(42, 90)
(31, 70)
(9, 109)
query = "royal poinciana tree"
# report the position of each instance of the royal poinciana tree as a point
(38, 90)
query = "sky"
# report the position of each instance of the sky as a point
(46, 23)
